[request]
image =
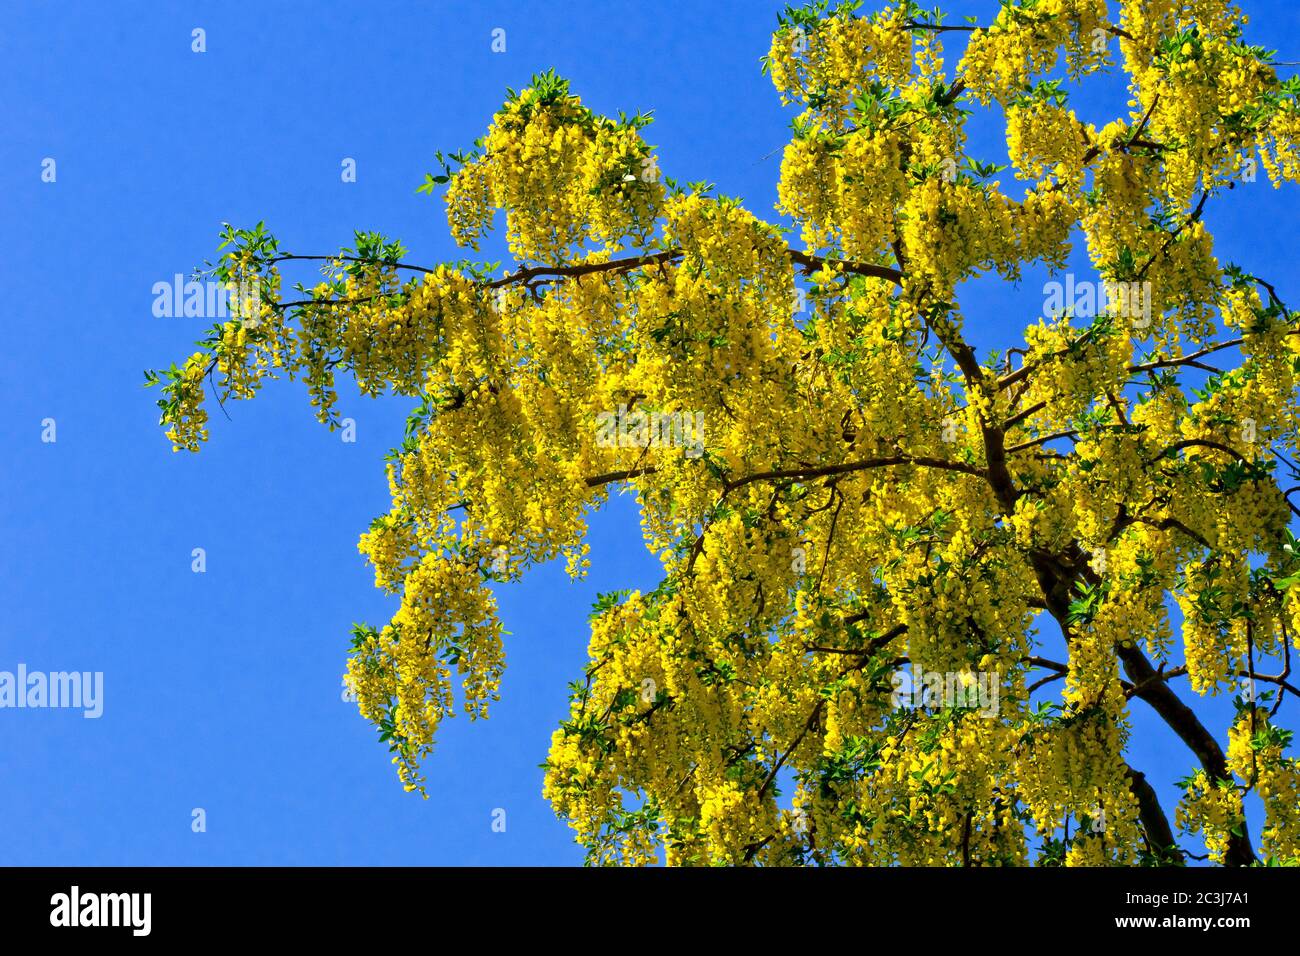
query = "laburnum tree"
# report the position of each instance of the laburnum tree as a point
(869, 492)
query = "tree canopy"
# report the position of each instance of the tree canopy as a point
(847, 498)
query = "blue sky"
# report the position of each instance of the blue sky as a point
(222, 689)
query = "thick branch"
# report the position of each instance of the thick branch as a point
(526, 274)
(1154, 822)
(804, 474)
(1191, 731)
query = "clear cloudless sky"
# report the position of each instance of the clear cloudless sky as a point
(222, 690)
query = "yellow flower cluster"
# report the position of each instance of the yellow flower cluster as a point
(1043, 139)
(843, 54)
(1212, 809)
(1072, 374)
(1025, 41)
(189, 420)
(1255, 755)
(1202, 86)
(563, 176)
